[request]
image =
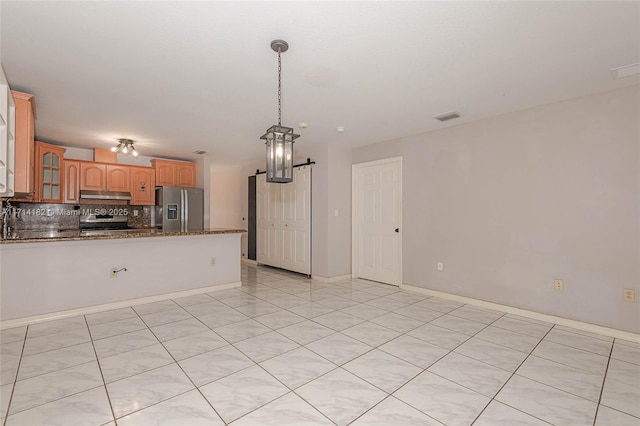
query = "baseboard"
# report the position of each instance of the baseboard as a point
(18, 322)
(331, 279)
(250, 262)
(598, 329)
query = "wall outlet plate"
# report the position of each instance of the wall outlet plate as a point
(440, 266)
(558, 285)
(629, 295)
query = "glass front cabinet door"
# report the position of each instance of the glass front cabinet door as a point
(49, 163)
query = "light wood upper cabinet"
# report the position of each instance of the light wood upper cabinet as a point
(71, 181)
(143, 185)
(165, 172)
(24, 168)
(118, 178)
(174, 173)
(93, 176)
(50, 172)
(104, 177)
(186, 174)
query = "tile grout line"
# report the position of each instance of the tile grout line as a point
(15, 379)
(310, 291)
(175, 362)
(509, 379)
(443, 356)
(104, 383)
(604, 379)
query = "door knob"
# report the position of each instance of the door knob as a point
(397, 229)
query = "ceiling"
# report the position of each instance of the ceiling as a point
(184, 76)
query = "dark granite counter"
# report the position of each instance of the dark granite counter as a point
(39, 236)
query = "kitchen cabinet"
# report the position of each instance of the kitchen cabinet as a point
(165, 172)
(104, 177)
(186, 175)
(93, 176)
(24, 168)
(143, 184)
(118, 178)
(71, 185)
(174, 173)
(7, 138)
(50, 172)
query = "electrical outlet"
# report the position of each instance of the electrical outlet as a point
(629, 295)
(440, 266)
(213, 261)
(558, 285)
(112, 273)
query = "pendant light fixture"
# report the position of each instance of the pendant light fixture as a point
(125, 146)
(279, 139)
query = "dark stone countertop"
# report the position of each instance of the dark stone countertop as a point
(39, 236)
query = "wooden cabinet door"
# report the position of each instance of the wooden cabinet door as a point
(24, 171)
(118, 178)
(93, 176)
(186, 175)
(143, 186)
(50, 168)
(165, 172)
(71, 182)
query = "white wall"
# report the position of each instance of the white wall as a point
(512, 202)
(87, 155)
(227, 196)
(75, 274)
(339, 201)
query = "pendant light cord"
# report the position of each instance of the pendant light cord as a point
(279, 90)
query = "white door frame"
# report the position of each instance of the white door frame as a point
(355, 222)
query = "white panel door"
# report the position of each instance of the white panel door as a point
(377, 215)
(262, 218)
(268, 222)
(296, 222)
(274, 208)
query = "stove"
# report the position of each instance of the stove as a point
(103, 220)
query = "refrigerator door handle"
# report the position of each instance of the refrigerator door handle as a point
(185, 205)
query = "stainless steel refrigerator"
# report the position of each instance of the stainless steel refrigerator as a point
(179, 209)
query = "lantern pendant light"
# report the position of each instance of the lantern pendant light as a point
(278, 138)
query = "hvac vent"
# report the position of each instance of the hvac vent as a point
(447, 116)
(200, 152)
(626, 71)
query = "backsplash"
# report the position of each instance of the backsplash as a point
(67, 216)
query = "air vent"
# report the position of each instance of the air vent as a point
(447, 116)
(626, 71)
(200, 152)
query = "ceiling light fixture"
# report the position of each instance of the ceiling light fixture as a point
(125, 146)
(279, 139)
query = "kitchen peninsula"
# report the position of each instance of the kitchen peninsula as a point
(37, 281)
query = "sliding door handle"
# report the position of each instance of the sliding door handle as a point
(397, 229)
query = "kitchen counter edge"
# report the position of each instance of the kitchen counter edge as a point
(131, 234)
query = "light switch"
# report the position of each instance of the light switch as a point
(336, 213)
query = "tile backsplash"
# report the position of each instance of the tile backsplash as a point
(67, 216)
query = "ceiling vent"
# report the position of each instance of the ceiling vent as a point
(200, 152)
(626, 71)
(447, 116)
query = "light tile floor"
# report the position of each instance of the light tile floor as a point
(285, 350)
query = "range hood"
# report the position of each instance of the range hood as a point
(104, 195)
